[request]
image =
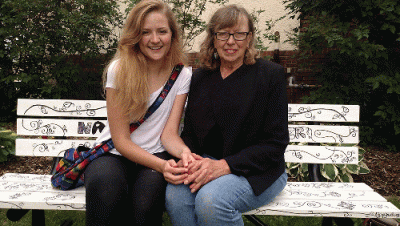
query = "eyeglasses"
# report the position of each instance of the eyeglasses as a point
(238, 36)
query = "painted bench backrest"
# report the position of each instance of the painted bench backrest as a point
(48, 127)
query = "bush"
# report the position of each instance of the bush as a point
(40, 41)
(362, 39)
(7, 144)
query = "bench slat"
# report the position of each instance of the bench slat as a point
(315, 186)
(30, 182)
(60, 127)
(47, 147)
(324, 195)
(323, 113)
(321, 154)
(294, 153)
(97, 108)
(42, 201)
(324, 134)
(328, 208)
(328, 186)
(35, 187)
(61, 108)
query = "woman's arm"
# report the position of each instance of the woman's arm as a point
(120, 133)
(170, 136)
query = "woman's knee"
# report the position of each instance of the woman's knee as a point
(208, 204)
(172, 195)
(212, 209)
(105, 180)
(178, 197)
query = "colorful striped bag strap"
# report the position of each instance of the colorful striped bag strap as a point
(70, 169)
(163, 94)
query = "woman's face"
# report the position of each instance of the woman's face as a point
(156, 37)
(231, 51)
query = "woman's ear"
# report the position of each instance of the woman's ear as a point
(250, 37)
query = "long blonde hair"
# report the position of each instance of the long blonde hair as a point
(225, 17)
(131, 80)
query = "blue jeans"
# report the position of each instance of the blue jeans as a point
(220, 202)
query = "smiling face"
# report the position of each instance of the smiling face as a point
(231, 51)
(155, 42)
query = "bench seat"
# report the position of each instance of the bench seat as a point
(358, 200)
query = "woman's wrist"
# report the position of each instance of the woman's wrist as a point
(225, 167)
(162, 166)
(183, 151)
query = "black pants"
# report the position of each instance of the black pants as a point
(120, 192)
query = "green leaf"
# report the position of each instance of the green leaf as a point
(293, 165)
(304, 167)
(341, 166)
(363, 168)
(352, 168)
(375, 85)
(344, 178)
(361, 151)
(329, 171)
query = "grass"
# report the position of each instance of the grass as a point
(395, 200)
(53, 218)
(57, 217)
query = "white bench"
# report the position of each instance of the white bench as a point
(51, 126)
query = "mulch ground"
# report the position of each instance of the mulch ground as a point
(383, 178)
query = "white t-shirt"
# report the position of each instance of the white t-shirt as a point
(148, 134)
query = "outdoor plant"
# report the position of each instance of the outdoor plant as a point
(330, 172)
(353, 48)
(7, 144)
(188, 14)
(265, 36)
(54, 49)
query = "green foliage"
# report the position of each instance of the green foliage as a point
(188, 14)
(353, 49)
(388, 111)
(265, 35)
(47, 46)
(7, 144)
(330, 172)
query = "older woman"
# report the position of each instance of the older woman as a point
(235, 126)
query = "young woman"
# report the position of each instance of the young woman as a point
(127, 185)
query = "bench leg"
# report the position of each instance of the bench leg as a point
(327, 221)
(67, 223)
(16, 214)
(254, 219)
(38, 218)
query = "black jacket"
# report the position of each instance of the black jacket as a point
(249, 110)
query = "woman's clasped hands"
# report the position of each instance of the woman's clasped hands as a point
(195, 170)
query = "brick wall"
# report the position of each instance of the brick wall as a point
(302, 80)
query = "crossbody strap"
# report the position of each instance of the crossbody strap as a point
(161, 97)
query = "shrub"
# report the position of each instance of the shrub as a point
(360, 45)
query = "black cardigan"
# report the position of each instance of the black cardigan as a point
(249, 110)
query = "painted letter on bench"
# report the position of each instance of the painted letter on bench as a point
(88, 128)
